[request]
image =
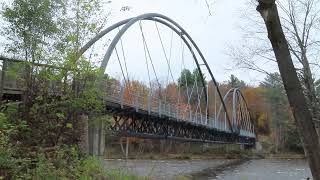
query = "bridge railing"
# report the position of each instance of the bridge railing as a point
(151, 103)
(13, 73)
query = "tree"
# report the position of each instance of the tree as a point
(282, 123)
(300, 24)
(32, 25)
(49, 32)
(194, 86)
(301, 43)
(303, 117)
(199, 77)
(273, 80)
(259, 109)
(317, 84)
(186, 78)
(172, 94)
(234, 82)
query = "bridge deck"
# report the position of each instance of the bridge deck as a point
(129, 121)
(156, 107)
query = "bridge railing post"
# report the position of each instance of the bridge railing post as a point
(174, 111)
(221, 125)
(193, 115)
(225, 122)
(214, 122)
(160, 108)
(201, 118)
(211, 121)
(196, 117)
(177, 113)
(207, 119)
(121, 95)
(136, 95)
(149, 102)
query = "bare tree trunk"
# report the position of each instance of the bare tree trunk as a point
(297, 100)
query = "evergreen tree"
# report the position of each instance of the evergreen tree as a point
(234, 82)
(186, 78)
(282, 123)
(317, 84)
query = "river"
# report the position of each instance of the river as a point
(215, 169)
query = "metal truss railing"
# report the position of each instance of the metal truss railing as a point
(152, 104)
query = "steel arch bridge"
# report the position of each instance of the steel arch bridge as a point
(147, 113)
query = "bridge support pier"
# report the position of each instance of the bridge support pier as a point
(242, 147)
(96, 138)
(91, 136)
(83, 134)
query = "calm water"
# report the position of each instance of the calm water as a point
(268, 170)
(206, 169)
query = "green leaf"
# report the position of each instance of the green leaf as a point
(60, 115)
(69, 125)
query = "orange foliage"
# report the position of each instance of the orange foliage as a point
(258, 107)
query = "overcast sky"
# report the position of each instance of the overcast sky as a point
(213, 34)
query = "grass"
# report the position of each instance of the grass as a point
(65, 164)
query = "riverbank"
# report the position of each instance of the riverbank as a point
(209, 155)
(285, 155)
(165, 149)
